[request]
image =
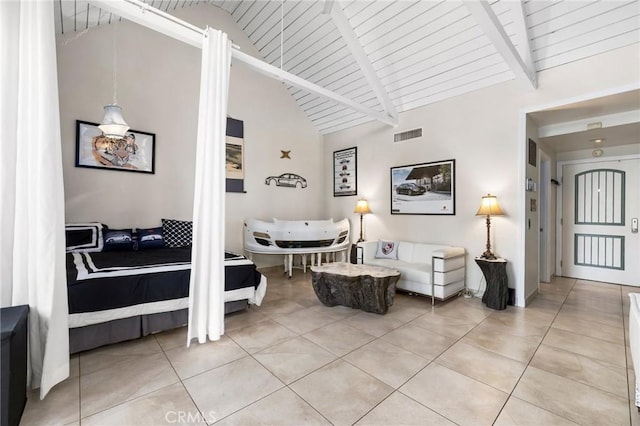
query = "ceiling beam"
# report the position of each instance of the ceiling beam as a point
(523, 40)
(328, 4)
(492, 28)
(349, 35)
(157, 20)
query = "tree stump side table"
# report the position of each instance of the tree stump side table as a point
(495, 273)
(367, 287)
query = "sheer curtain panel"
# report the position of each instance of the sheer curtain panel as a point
(206, 289)
(32, 194)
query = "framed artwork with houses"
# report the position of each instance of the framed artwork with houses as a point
(424, 188)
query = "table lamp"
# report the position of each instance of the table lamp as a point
(363, 208)
(489, 207)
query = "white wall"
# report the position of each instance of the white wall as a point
(158, 87)
(486, 133)
(532, 218)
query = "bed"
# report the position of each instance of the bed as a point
(121, 295)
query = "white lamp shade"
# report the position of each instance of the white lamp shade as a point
(362, 207)
(113, 125)
(489, 206)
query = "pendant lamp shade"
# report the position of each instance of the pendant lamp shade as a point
(113, 124)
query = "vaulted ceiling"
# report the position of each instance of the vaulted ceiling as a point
(392, 56)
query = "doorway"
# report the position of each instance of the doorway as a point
(603, 125)
(601, 205)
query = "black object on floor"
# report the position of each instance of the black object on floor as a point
(13, 387)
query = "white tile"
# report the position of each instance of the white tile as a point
(227, 389)
(341, 392)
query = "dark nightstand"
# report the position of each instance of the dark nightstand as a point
(14, 363)
(355, 255)
(495, 273)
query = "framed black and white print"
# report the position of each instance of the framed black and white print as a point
(345, 172)
(426, 188)
(234, 150)
(533, 153)
(135, 152)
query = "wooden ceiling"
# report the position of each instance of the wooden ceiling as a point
(407, 54)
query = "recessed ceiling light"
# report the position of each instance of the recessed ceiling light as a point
(599, 140)
(597, 153)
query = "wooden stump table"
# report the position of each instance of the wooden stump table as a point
(495, 273)
(366, 287)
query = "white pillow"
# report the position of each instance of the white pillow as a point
(387, 250)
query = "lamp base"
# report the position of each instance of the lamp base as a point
(488, 255)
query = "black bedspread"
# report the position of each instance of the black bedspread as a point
(115, 279)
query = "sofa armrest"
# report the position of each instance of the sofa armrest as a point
(448, 259)
(368, 250)
(448, 252)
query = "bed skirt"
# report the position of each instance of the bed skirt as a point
(106, 333)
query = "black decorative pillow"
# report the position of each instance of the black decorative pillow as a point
(83, 237)
(118, 239)
(150, 238)
(177, 233)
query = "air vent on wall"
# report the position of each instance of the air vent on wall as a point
(409, 134)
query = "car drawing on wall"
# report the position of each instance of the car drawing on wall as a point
(287, 179)
(410, 189)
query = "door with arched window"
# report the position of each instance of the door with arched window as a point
(600, 211)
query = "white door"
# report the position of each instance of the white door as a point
(600, 209)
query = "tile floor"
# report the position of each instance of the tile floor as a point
(564, 360)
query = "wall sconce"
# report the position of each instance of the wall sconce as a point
(489, 207)
(363, 208)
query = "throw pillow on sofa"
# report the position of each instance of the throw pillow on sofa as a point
(150, 238)
(84, 237)
(387, 250)
(177, 233)
(118, 239)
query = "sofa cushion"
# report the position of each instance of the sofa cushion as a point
(387, 250)
(408, 271)
(422, 252)
(405, 251)
(420, 272)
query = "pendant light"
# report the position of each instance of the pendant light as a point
(113, 124)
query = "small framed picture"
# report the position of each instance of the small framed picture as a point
(345, 172)
(135, 152)
(533, 153)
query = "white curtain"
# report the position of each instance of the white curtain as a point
(206, 289)
(32, 212)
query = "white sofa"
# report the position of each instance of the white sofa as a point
(429, 269)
